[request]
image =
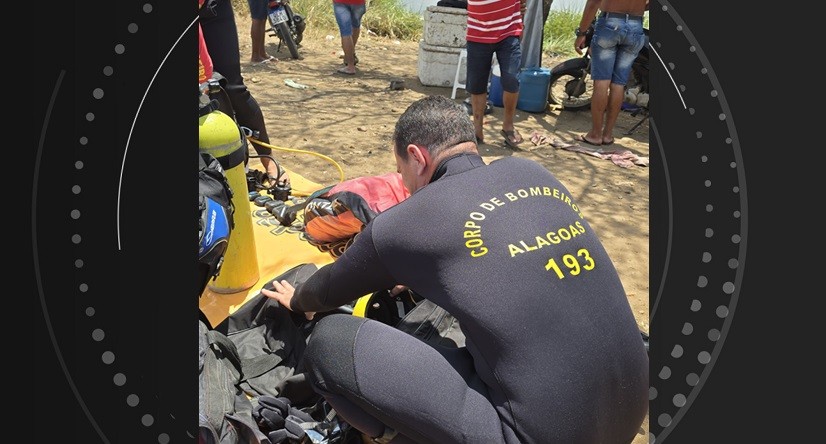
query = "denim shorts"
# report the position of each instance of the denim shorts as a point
(614, 46)
(479, 57)
(348, 17)
(258, 9)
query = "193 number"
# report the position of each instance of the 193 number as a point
(571, 264)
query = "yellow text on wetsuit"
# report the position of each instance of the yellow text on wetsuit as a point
(472, 230)
(523, 193)
(552, 237)
(473, 236)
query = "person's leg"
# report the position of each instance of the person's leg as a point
(344, 19)
(603, 56)
(509, 55)
(599, 102)
(257, 35)
(358, 13)
(479, 56)
(383, 381)
(349, 48)
(616, 95)
(478, 104)
(356, 32)
(629, 47)
(221, 37)
(509, 100)
(258, 13)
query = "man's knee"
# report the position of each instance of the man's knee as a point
(510, 83)
(329, 353)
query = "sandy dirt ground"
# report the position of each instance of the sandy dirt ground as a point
(350, 119)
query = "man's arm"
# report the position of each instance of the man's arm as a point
(358, 272)
(589, 13)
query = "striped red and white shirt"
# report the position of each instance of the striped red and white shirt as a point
(490, 21)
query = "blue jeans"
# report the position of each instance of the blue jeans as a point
(614, 46)
(348, 17)
(479, 58)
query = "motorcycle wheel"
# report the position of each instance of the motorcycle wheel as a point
(572, 89)
(300, 25)
(287, 39)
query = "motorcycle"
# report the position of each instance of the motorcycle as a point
(571, 85)
(286, 25)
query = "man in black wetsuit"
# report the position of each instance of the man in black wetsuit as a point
(553, 353)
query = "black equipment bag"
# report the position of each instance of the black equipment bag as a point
(215, 217)
(258, 377)
(224, 411)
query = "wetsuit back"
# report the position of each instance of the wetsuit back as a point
(506, 250)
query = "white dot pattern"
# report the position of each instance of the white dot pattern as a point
(709, 110)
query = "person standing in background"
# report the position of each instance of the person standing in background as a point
(217, 20)
(494, 27)
(258, 14)
(348, 17)
(617, 40)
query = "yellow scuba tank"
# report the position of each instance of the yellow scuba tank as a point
(220, 135)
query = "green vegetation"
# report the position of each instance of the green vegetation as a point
(559, 31)
(388, 18)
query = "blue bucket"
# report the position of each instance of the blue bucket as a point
(533, 89)
(495, 90)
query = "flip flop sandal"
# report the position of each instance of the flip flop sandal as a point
(512, 134)
(265, 61)
(582, 138)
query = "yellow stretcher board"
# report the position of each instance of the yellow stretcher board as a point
(278, 249)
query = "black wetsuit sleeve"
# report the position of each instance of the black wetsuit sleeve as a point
(357, 272)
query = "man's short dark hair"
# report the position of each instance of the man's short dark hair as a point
(435, 123)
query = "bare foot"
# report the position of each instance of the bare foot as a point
(584, 138)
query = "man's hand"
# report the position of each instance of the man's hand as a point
(397, 289)
(579, 43)
(283, 293)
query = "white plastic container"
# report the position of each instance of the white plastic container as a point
(437, 65)
(444, 26)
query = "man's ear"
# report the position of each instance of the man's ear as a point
(421, 156)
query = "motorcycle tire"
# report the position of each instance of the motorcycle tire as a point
(287, 39)
(300, 25)
(571, 88)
